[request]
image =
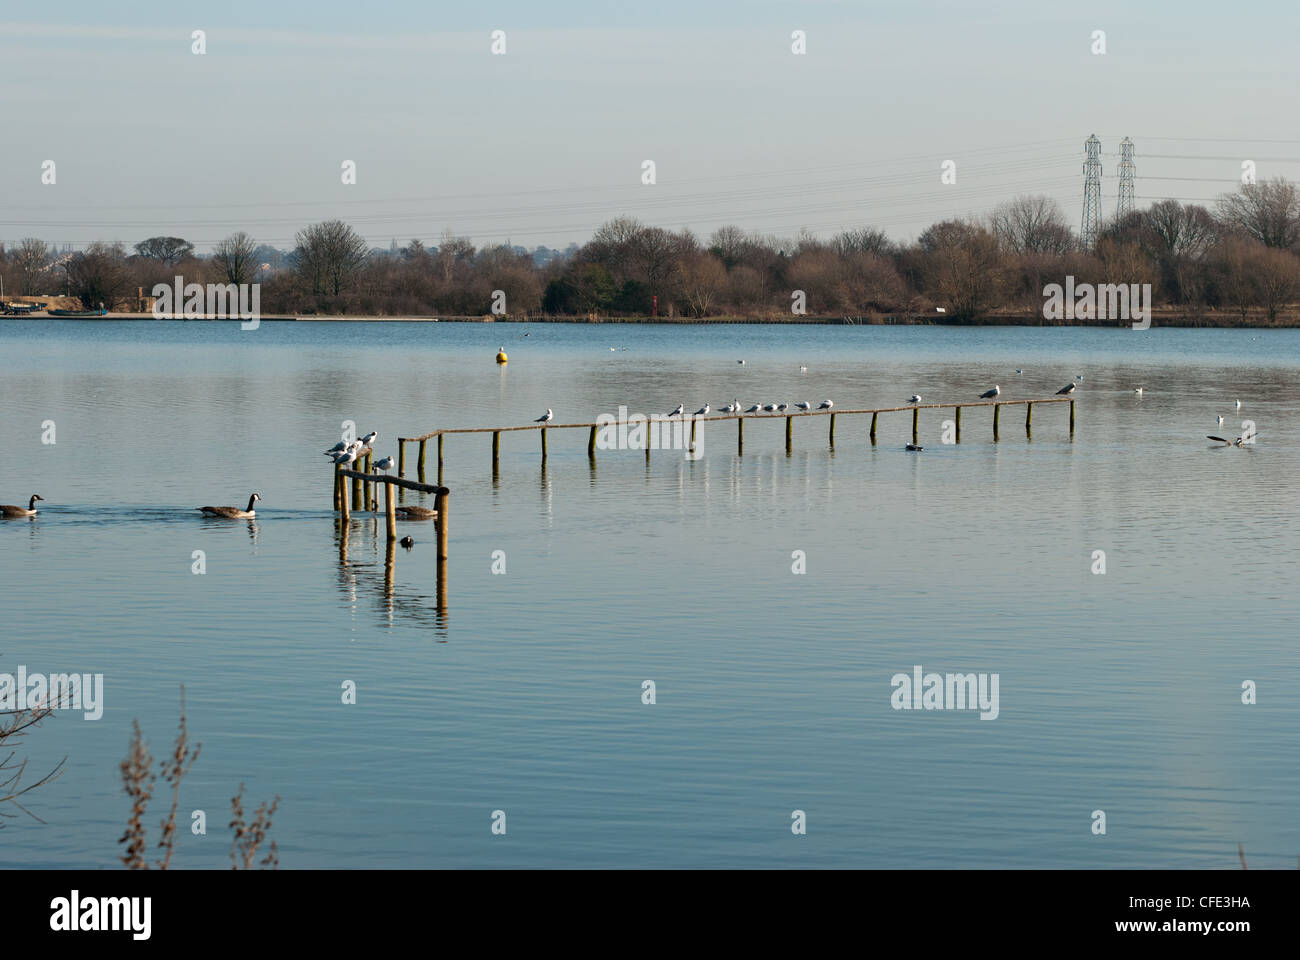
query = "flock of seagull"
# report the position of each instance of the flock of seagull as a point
(345, 454)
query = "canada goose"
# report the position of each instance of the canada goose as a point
(1066, 390)
(546, 417)
(385, 464)
(990, 394)
(416, 513)
(233, 513)
(407, 542)
(9, 510)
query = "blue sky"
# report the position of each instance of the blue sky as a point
(542, 144)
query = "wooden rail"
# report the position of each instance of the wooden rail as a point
(740, 418)
(365, 481)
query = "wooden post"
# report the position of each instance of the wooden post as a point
(440, 504)
(1029, 419)
(369, 495)
(874, 417)
(997, 409)
(401, 458)
(338, 487)
(789, 433)
(419, 464)
(343, 503)
(649, 425)
(832, 436)
(440, 459)
(916, 417)
(591, 443)
(1071, 418)
(356, 493)
(692, 433)
(740, 435)
(957, 424)
(543, 443)
(390, 512)
(496, 451)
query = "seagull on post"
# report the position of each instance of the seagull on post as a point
(546, 417)
(990, 394)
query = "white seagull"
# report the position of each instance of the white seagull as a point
(755, 408)
(1066, 390)
(1219, 419)
(385, 464)
(990, 394)
(804, 405)
(337, 448)
(1238, 404)
(1138, 391)
(914, 398)
(782, 407)
(703, 411)
(826, 405)
(546, 417)
(678, 411)
(769, 408)
(369, 438)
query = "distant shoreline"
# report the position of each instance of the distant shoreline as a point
(992, 320)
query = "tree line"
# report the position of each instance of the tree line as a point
(1240, 256)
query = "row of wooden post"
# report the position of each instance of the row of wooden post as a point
(740, 438)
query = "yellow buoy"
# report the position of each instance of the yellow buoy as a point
(501, 356)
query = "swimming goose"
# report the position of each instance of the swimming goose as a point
(233, 513)
(416, 513)
(9, 510)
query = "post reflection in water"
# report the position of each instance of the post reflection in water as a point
(357, 573)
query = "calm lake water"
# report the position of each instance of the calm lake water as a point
(1118, 692)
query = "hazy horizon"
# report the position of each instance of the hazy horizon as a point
(542, 144)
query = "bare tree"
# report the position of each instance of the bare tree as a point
(963, 267)
(1032, 224)
(1277, 279)
(237, 258)
(30, 259)
(1268, 211)
(703, 278)
(328, 255)
(99, 275)
(168, 251)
